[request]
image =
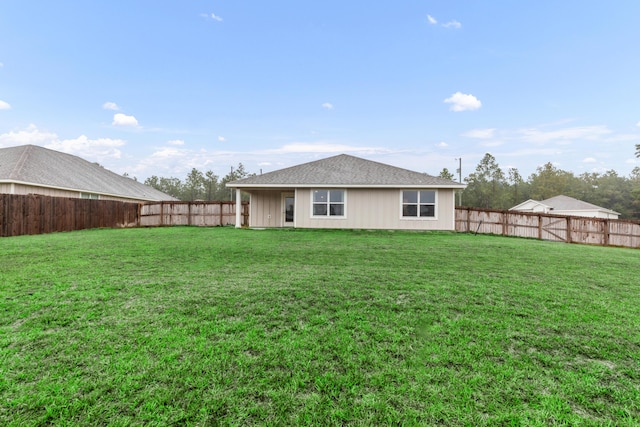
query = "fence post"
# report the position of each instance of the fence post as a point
(569, 231)
(540, 226)
(505, 220)
(605, 231)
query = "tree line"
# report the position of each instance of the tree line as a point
(198, 185)
(489, 186)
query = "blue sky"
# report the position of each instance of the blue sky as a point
(159, 87)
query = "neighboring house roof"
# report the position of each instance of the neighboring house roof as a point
(344, 171)
(562, 204)
(566, 203)
(38, 166)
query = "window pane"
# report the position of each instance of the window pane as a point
(320, 196)
(319, 210)
(427, 210)
(428, 196)
(336, 196)
(336, 210)
(409, 197)
(409, 210)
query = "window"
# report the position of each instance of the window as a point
(419, 204)
(328, 203)
(89, 196)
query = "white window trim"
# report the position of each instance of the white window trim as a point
(419, 218)
(330, 217)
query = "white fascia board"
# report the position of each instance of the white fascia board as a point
(267, 186)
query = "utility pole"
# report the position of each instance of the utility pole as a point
(231, 189)
(459, 170)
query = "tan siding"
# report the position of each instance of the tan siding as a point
(266, 209)
(376, 209)
(24, 189)
(52, 192)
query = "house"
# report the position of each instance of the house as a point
(565, 205)
(349, 192)
(30, 169)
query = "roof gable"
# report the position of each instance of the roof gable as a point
(35, 165)
(345, 171)
(529, 205)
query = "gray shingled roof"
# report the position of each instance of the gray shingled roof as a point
(40, 166)
(566, 203)
(344, 171)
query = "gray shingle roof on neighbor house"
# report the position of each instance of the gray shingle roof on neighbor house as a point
(344, 171)
(566, 203)
(38, 166)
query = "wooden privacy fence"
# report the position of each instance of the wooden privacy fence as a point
(205, 214)
(35, 214)
(559, 228)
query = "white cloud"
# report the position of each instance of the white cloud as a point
(327, 106)
(463, 102)
(31, 135)
(442, 144)
(89, 149)
(566, 135)
(120, 119)
(638, 124)
(4, 105)
(480, 133)
(589, 160)
(168, 152)
(222, 139)
(94, 149)
(175, 142)
(211, 16)
(452, 24)
(110, 106)
(325, 148)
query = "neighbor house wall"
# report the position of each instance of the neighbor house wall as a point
(24, 189)
(376, 209)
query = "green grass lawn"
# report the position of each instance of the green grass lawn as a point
(219, 326)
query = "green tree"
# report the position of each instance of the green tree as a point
(634, 199)
(235, 174)
(613, 192)
(194, 185)
(170, 186)
(211, 184)
(444, 173)
(637, 150)
(486, 186)
(517, 187)
(549, 181)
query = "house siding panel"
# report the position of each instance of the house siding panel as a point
(376, 209)
(266, 209)
(24, 189)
